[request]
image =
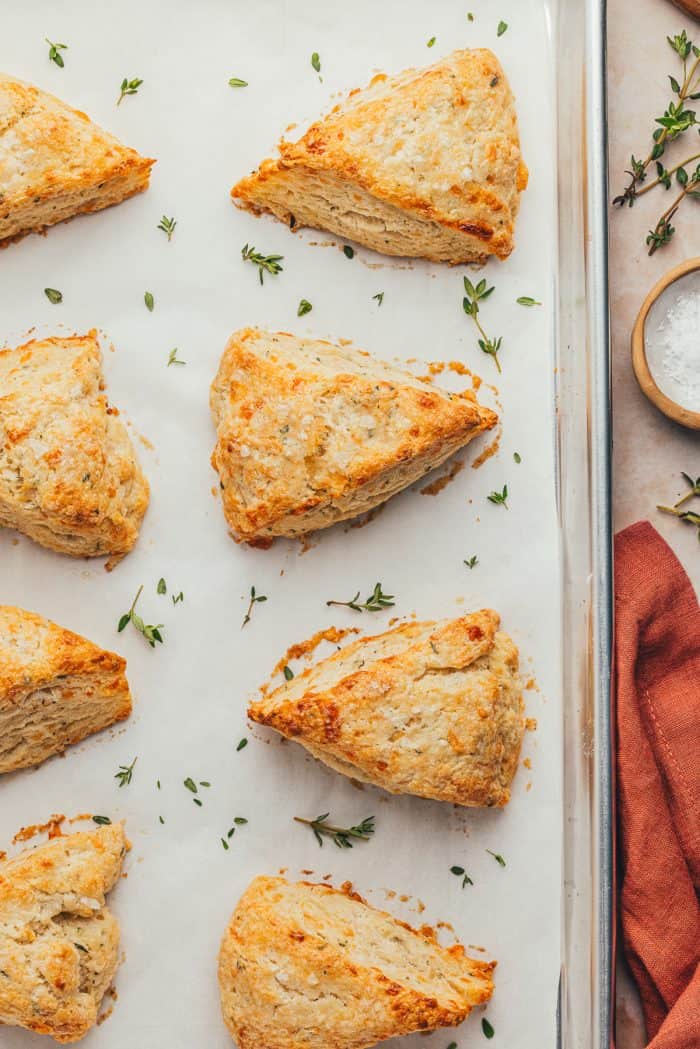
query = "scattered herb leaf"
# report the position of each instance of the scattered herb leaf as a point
(53, 296)
(460, 872)
(316, 62)
(151, 633)
(497, 857)
(348, 251)
(265, 263)
(343, 837)
(502, 26)
(288, 673)
(55, 52)
(243, 743)
(102, 821)
(254, 600)
(517, 457)
(431, 42)
(125, 773)
(173, 358)
(177, 598)
(375, 602)
(149, 300)
(237, 82)
(162, 587)
(527, 300)
(190, 784)
(472, 562)
(379, 297)
(487, 1028)
(470, 305)
(499, 498)
(304, 307)
(167, 225)
(128, 87)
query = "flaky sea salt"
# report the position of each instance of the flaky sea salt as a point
(673, 342)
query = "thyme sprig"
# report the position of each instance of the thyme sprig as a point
(126, 773)
(499, 498)
(167, 225)
(687, 516)
(674, 122)
(375, 602)
(265, 263)
(343, 837)
(55, 52)
(255, 599)
(128, 87)
(151, 633)
(470, 304)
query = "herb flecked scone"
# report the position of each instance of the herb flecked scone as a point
(55, 163)
(433, 709)
(59, 945)
(310, 433)
(426, 164)
(69, 477)
(306, 966)
(56, 688)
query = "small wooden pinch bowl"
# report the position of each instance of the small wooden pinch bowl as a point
(684, 416)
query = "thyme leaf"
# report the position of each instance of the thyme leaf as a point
(53, 296)
(149, 300)
(125, 773)
(499, 498)
(497, 857)
(173, 358)
(502, 26)
(128, 87)
(472, 562)
(151, 633)
(55, 52)
(379, 297)
(237, 82)
(304, 307)
(254, 600)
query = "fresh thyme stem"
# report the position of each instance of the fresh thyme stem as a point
(671, 171)
(350, 832)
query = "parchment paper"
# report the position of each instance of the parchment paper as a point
(191, 693)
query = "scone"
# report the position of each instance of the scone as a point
(69, 478)
(426, 163)
(433, 709)
(59, 945)
(305, 966)
(55, 163)
(310, 433)
(56, 688)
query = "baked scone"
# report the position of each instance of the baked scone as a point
(69, 477)
(306, 966)
(433, 709)
(59, 945)
(310, 433)
(55, 163)
(426, 163)
(56, 688)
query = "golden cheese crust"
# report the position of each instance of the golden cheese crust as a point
(433, 709)
(56, 688)
(69, 477)
(306, 966)
(59, 945)
(55, 163)
(426, 163)
(310, 433)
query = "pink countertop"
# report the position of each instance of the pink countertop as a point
(649, 450)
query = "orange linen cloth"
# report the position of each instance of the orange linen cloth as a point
(657, 689)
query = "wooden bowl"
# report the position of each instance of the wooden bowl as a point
(691, 7)
(674, 411)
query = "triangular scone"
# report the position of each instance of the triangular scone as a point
(55, 163)
(310, 433)
(433, 709)
(306, 966)
(69, 477)
(59, 945)
(426, 163)
(56, 688)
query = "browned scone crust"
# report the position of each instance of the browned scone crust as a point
(433, 709)
(56, 688)
(59, 945)
(69, 477)
(426, 164)
(306, 966)
(55, 163)
(310, 433)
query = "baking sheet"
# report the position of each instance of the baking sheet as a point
(190, 693)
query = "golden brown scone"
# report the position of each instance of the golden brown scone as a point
(433, 709)
(310, 433)
(56, 688)
(69, 477)
(426, 163)
(55, 163)
(59, 945)
(306, 966)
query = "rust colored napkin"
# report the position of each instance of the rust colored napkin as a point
(657, 686)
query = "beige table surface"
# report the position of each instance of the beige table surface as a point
(649, 450)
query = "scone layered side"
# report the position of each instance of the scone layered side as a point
(433, 709)
(59, 945)
(56, 688)
(69, 477)
(305, 966)
(310, 433)
(426, 163)
(55, 163)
